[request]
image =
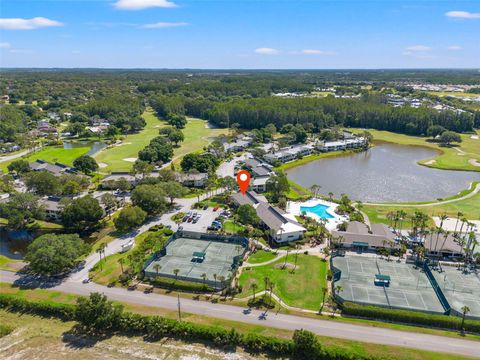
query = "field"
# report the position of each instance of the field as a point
(469, 207)
(261, 256)
(454, 158)
(52, 154)
(197, 135)
(302, 288)
(49, 338)
(114, 156)
(453, 93)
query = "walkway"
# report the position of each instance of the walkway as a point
(329, 328)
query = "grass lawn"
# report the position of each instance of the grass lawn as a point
(302, 289)
(8, 264)
(52, 154)
(453, 93)
(449, 159)
(196, 137)
(131, 145)
(261, 256)
(231, 227)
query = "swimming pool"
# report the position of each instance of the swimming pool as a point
(319, 210)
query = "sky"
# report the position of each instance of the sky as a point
(240, 34)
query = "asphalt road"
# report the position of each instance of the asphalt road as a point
(290, 322)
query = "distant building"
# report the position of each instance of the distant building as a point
(290, 153)
(53, 208)
(56, 169)
(441, 247)
(260, 173)
(192, 179)
(189, 180)
(346, 144)
(358, 237)
(240, 144)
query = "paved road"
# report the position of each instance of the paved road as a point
(182, 205)
(4, 158)
(321, 327)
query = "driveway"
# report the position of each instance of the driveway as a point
(329, 328)
(227, 168)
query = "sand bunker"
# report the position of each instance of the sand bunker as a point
(102, 165)
(130, 159)
(474, 137)
(474, 162)
(121, 144)
(430, 162)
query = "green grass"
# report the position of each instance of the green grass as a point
(453, 93)
(5, 263)
(52, 154)
(196, 137)
(231, 227)
(448, 159)
(114, 156)
(261, 256)
(302, 288)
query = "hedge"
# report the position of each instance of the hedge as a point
(156, 327)
(410, 317)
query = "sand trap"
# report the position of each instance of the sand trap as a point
(130, 159)
(430, 162)
(102, 165)
(474, 137)
(474, 162)
(121, 144)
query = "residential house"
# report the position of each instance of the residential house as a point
(56, 169)
(290, 153)
(53, 207)
(240, 144)
(260, 173)
(346, 144)
(192, 179)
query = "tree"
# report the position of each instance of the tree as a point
(85, 164)
(43, 183)
(129, 218)
(204, 163)
(20, 209)
(109, 202)
(315, 189)
(97, 314)
(121, 261)
(71, 188)
(435, 130)
(142, 167)
(150, 198)
(82, 215)
(254, 288)
(160, 150)
(247, 215)
(19, 166)
(448, 137)
(176, 136)
(179, 121)
(465, 311)
(278, 185)
(306, 345)
(51, 254)
(157, 267)
(173, 190)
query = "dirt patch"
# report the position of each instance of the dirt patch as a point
(130, 159)
(287, 266)
(430, 162)
(474, 162)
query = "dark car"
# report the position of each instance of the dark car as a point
(205, 207)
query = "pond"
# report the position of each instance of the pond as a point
(384, 173)
(94, 146)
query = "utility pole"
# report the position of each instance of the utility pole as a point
(179, 312)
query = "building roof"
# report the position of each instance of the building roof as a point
(250, 198)
(449, 244)
(275, 219)
(357, 233)
(56, 169)
(191, 176)
(383, 230)
(357, 227)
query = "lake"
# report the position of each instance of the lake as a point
(93, 145)
(384, 173)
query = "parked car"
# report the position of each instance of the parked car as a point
(205, 207)
(215, 208)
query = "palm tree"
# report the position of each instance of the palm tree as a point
(272, 285)
(315, 189)
(175, 272)
(157, 267)
(266, 281)
(324, 293)
(215, 279)
(296, 257)
(286, 258)
(330, 196)
(221, 279)
(459, 215)
(465, 311)
(204, 277)
(254, 287)
(121, 261)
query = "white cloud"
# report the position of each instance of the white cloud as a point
(266, 51)
(454, 48)
(418, 48)
(163, 25)
(142, 4)
(462, 15)
(317, 52)
(27, 24)
(5, 45)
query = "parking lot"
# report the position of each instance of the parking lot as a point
(206, 218)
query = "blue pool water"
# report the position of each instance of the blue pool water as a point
(319, 210)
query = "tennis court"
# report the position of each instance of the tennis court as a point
(460, 288)
(406, 287)
(189, 258)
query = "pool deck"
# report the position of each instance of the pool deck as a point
(293, 207)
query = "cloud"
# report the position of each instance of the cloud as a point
(163, 25)
(416, 48)
(454, 48)
(142, 4)
(266, 51)
(5, 45)
(462, 15)
(317, 52)
(27, 24)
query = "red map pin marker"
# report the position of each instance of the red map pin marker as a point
(243, 179)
